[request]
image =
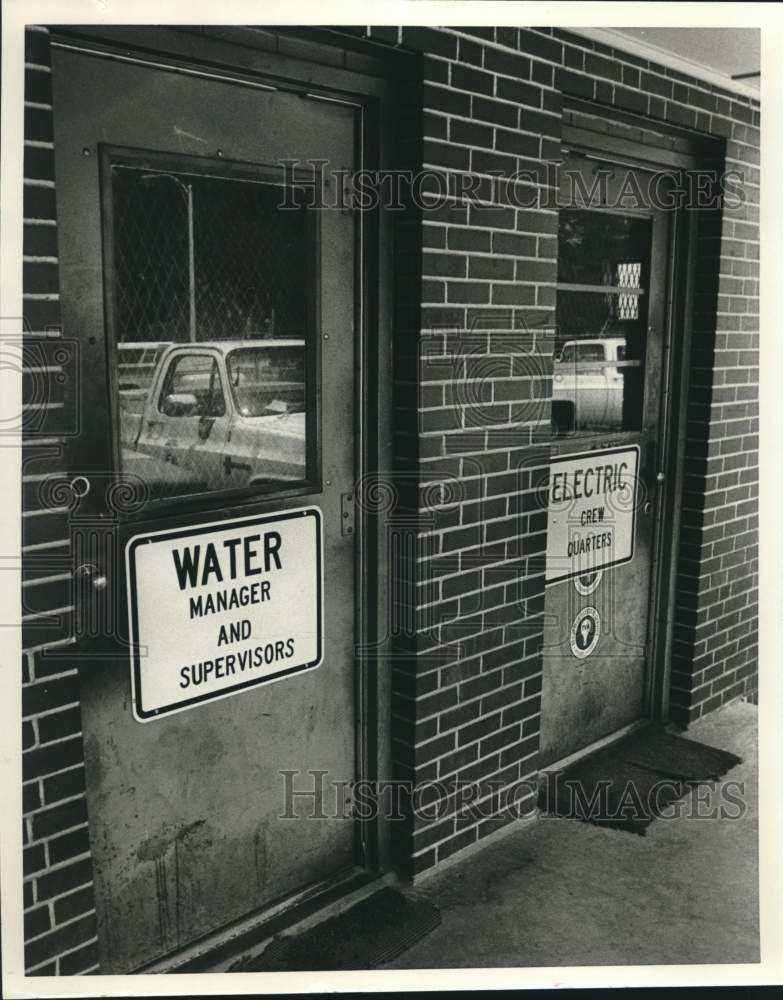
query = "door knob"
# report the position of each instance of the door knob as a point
(661, 477)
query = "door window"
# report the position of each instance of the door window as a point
(223, 257)
(603, 286)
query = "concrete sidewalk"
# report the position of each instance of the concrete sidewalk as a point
(562, 892)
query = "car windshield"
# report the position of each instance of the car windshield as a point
(267, 379)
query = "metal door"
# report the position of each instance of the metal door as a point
(610, 337)
(178, 224)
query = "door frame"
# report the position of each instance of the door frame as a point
(599, 132)
(309, 62)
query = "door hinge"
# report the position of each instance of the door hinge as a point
(346, 513)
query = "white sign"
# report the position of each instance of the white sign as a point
(217, 608)
(592, 512)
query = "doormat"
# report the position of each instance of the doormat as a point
(372, 932)
(628, 784)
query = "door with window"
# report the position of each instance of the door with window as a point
(613, 254)
(214, 305)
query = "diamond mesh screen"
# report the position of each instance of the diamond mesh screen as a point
(628, 276)
(205, 258)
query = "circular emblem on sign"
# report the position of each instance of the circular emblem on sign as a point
(585, 632)
(588, 582)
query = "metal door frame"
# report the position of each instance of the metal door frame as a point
(307, 62)
(605, 137)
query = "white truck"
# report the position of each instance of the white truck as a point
(217, 415)
(588, 384)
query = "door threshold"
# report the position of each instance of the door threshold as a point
(591, 748)
(251, 934)
(299, 922)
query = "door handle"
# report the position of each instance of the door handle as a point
(660, 479)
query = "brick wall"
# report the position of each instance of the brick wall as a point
(59, 918)
(466, 697)
(715, 644)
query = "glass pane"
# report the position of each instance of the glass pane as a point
(600, 248)
(212, 314)
(598, 371)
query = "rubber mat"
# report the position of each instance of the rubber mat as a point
(372, 932)
(631, 782)
(678, 758)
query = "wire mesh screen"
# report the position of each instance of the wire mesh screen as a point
(596, 314)
(202, 258)
(629, 275)
(602, 248)
(150, 266)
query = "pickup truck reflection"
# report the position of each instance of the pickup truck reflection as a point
(219, 415)
(589, 383)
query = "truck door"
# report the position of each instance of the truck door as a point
(180, 223)
(185, 425)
